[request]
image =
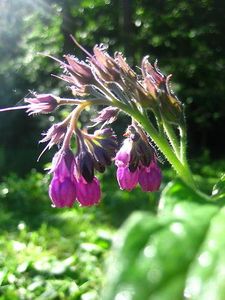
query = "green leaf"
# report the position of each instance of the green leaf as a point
(153, 256)
(177, 194)
(219, 189)
(206, 277)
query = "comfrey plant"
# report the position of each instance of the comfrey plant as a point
(157, 116)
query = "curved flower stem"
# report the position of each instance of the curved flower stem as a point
(75, 116)
(73, 123)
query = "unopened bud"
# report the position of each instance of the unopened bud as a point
(107, 115)
(43, 103)
(171, 108)
(85, 164)
(80, 70)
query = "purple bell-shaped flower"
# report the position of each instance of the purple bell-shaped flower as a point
(62, 193)
(150, 177)
(88, 193)
(126, 178)
(62, 189)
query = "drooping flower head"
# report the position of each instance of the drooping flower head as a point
(135, 160)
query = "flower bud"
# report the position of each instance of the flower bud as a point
(88, 193)
(81, 72)
(62, 193)
(145, 152)
(101, 155)
(124, 67)
(55, 134)
(43, 103)
(85, 164)
(107, 140)
(107, 115)
(104, 65)
(150, 178)
(171, 108)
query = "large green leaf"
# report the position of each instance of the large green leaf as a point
(177, 254)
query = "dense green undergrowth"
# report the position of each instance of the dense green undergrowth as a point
(49, 253)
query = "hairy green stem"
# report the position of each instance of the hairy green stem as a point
(183, 145)
(172, 137)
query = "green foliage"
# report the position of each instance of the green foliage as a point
(179, 253)
(60, 253)
(219, 189)
(48, 253)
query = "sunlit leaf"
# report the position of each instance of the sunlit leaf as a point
(152, 256)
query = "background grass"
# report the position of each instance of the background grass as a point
(49, 253)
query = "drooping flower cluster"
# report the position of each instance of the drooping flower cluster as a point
(73, 175)
(137, 163)
(109, 82)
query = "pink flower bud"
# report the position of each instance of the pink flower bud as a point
(150, 178)
(88, 193)
(43, 103)
(127, 180)
(107, 115)
(55, 134)
(62, 193)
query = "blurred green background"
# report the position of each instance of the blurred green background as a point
(59, 254)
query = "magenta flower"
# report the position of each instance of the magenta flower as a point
(62, 192)
(150, 178)
(127, 180)
(88, 193)
(62, 189)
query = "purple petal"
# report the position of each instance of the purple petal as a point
(62, 194)
(127, 180)
(88, 193)
(150, 178)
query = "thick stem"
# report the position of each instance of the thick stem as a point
(68, 101)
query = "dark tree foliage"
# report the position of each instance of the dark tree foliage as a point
(186, 36)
